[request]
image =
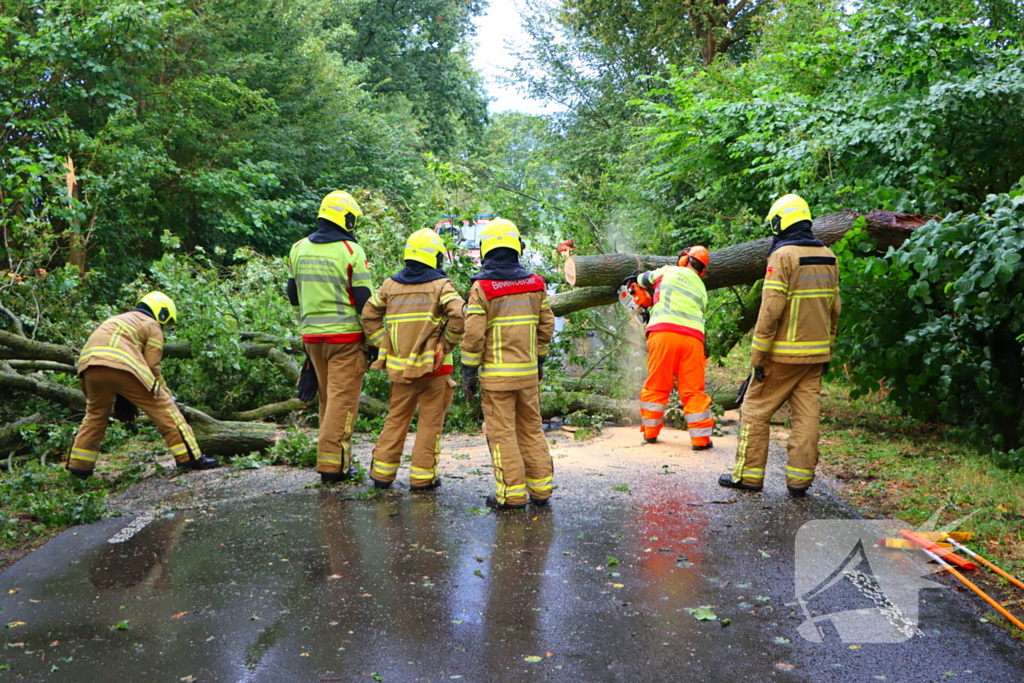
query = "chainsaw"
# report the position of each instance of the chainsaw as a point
(635, 298)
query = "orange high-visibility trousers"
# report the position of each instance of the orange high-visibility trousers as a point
(674, 358)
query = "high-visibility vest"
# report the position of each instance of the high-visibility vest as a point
(680, 299)
(325, 274)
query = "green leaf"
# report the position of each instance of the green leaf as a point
(703, 613)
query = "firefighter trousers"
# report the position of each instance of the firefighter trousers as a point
(800, 384)
(519, 452)
(433, 395)
(101, 385)
(674, 358)
(339, 378)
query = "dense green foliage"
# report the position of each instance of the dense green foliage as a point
(938, 323)
(223, 122)
(889, 111)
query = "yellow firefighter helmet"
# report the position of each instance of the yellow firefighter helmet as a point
(162, 306)
(500, 232)
(337, 205)
(424, 246)
(786, 211)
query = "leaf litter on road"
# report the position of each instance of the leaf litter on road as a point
(703, 613)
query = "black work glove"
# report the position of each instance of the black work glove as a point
(470, 380)
(372, 353)
(307, 381)
(759, 373)
(540, 367)
(824, 368)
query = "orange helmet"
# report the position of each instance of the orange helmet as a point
(695, 256)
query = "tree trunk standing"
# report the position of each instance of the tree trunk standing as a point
(76, 255)
(742, 264)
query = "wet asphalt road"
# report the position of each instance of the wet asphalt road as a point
(308, 585)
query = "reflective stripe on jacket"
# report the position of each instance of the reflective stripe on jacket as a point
(680, 299)
(133, 342)
(405, 321)
(800, 307)
(504, 336)
(325, 274)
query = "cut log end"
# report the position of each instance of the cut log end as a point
(569, 270)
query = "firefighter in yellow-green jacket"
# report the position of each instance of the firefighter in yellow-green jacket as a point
(329, 285)
(791, 349)
(509, 325)
(415, 318)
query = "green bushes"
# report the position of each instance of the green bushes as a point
(36, 501)
(939, 323)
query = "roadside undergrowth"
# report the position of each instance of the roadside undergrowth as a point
(892, 466)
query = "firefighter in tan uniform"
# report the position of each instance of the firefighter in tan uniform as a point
(415, 319)
(328, 286)
(121, 362)
(792, 346)
(509, 325)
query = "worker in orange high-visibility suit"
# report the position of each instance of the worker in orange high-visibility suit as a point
(675, 348)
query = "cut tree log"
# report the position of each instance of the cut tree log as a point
(574, 300)
(741, 264)
(234, 438)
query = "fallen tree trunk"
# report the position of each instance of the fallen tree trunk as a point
(25, 366)
(13, 346)
(741, 264)
(214, 436)
(234, 438)
(585, 297)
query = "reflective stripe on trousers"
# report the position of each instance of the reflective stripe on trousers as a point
(676, 359)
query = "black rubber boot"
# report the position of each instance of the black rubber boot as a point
(796, 493)
(708, 447)
(336, 477)
(203, 462)
(436, 484)
(726, 481)
(332, 477)
(492, 502)
(382, 485)
(80, 474)
(540, 502)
